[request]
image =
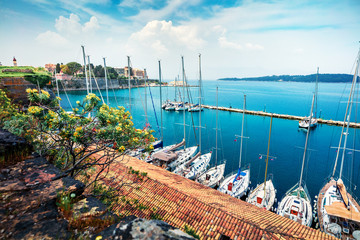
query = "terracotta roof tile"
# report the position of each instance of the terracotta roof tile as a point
(210, 213)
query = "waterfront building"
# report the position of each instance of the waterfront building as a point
(50, 67)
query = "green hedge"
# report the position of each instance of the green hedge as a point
(42, 79)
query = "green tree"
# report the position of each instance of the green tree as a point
(99, 71)
(65, 69)
(112, 73)
(58, 69)
(73, 67)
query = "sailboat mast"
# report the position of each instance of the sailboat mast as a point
(216, 130)
(242, 131)
(200, 102)
(57, 88)
(129, 76)
(348, 119)
(346, 113)
(306, 141)
(106, 83)
(85, 70)
(175, 88)
(183, 98)
(161, 114)
(145, 77)
(89, 73)
(267, 153)
(316, 92)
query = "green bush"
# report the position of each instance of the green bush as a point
(40, 78)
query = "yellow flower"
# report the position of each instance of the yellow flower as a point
(46, 93)
(98, 238)
(78, 129)
(76, 134)
(122, 148)
(77, 102)
(34, 109)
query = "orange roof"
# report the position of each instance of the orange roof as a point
(180, 201)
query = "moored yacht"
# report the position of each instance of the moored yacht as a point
(338, 212)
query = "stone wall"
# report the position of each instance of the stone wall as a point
(13, 149)
(80, 83)
(15, 88)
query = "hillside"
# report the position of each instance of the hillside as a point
(332, 78)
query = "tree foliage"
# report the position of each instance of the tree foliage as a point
(58, 69)
(72, 68)
(298, 78)
(99, 71)
(92, 136)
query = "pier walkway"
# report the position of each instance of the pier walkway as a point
(284, 116)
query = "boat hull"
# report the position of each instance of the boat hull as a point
(263, 199)
(339, 226)
(213, 176)
(239, 187)
(296, 205)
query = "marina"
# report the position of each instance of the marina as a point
(287, 138)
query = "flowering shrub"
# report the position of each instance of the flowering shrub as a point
(92, 135)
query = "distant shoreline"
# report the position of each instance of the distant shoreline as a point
(328, 78)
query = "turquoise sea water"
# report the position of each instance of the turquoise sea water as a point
(287, 141)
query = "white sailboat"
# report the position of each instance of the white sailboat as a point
(170, 158)
(311, 121)
(171, 105)
(237, 185)
(296, 204)
(263, 195)
(214, 175)
(197, 165)
(338, 212)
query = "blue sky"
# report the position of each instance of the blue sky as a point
(236, 38)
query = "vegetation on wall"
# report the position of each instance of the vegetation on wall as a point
(38, 76)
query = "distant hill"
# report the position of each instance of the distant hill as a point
(298, 78)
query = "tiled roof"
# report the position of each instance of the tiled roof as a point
(212, 214)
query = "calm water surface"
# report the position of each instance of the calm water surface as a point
(287, 141)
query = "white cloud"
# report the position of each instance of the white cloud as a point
(69, 26)
(173, 8)
(299, 50)
(51, 39)
(133, 3)
(254, 46)
(91, 26)
(224, 43)
(69, 30)
(163, 35)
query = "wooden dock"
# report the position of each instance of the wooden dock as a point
(284, 116)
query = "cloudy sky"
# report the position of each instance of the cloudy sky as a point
(235, 38)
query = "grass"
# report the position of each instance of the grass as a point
(38, 76)
(36, 71)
